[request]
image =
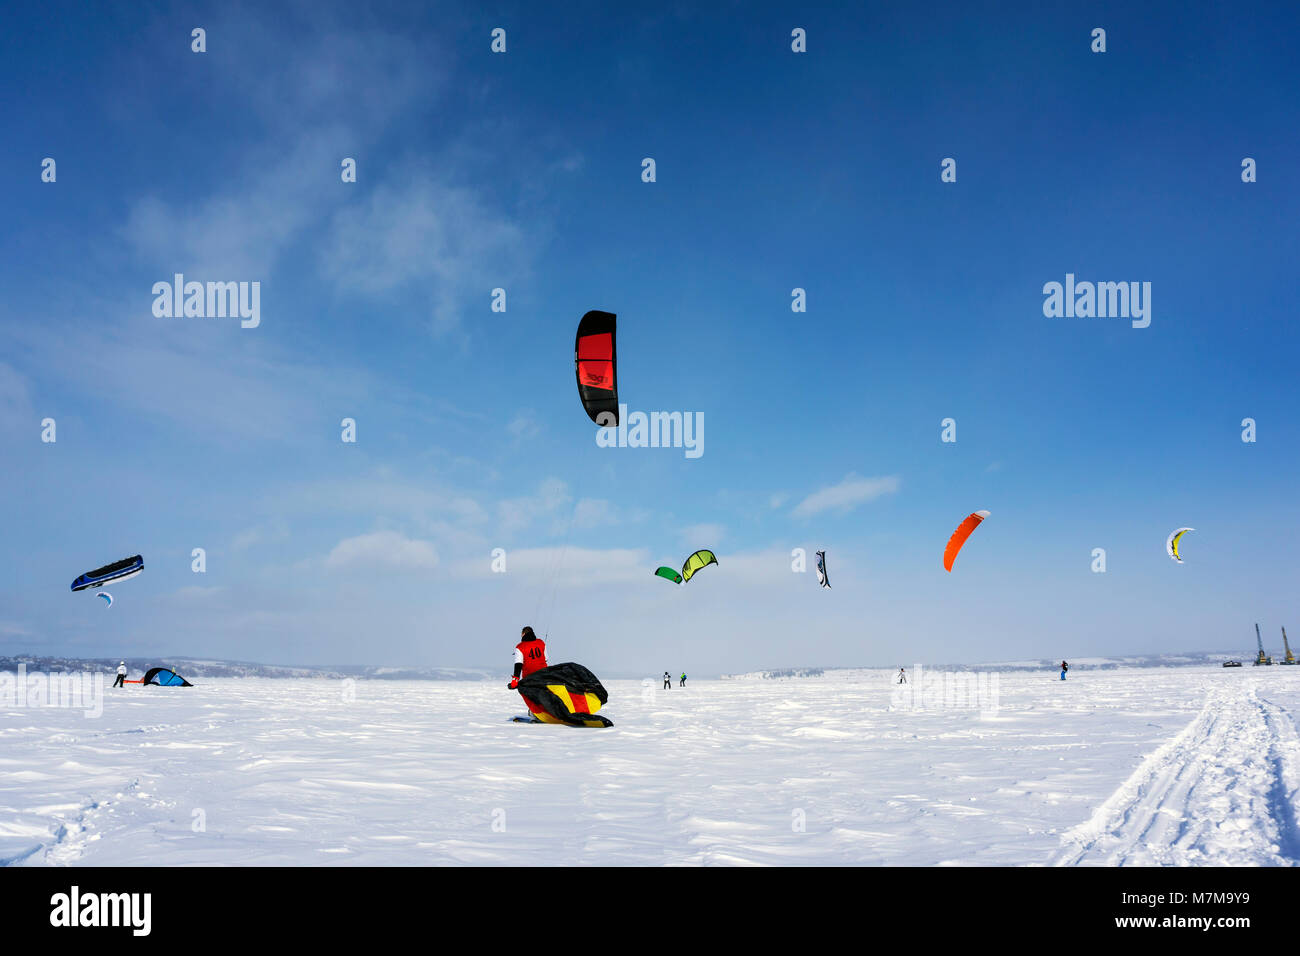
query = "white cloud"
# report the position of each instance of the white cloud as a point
(553, 501)
(193, 594)
(552, 498)
(524, 425)
(235, 237)
(444, 239)
(15, 400)
(246, 539)
(703, 536)
(593, 513)
(567, 566)
(195, 376)
(415, 499)
(334, 88)
(387, 548)
(276, 530)
(847, 495)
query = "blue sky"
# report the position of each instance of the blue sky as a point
(522, 170)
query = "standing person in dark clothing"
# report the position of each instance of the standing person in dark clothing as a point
(1064, 667)
(668, 681)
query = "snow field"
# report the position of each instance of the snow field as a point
(1131, 766)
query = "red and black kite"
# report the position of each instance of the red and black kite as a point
(596, 364)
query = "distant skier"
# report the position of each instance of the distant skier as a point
(530, 655)
(683, 683)
(121, 675)
(1064, 667)
(902, 676)
(668, 681)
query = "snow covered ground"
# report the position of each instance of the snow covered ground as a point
(1137, 766)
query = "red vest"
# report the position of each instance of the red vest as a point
(534, 655)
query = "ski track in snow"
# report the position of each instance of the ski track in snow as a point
(1138, 766)
(1222, 792)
